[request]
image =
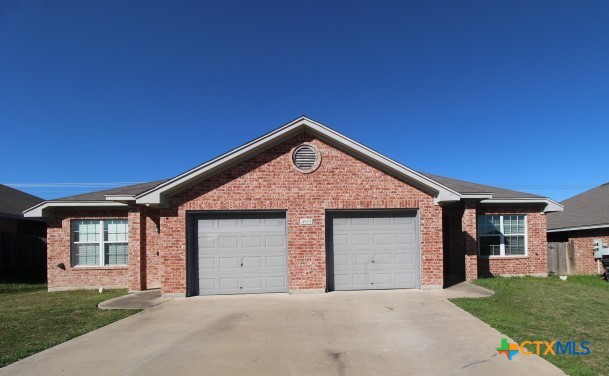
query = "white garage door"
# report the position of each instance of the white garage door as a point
(242, 255)
(375, 252)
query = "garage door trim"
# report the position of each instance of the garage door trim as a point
(192, 267)
(367, 213)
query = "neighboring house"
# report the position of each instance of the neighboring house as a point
(22, 240)
(585, 218)
(302, 208)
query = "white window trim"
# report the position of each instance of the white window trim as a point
(502, 238)
(101, 242)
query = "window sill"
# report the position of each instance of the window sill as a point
(503, 257)
(113, 267)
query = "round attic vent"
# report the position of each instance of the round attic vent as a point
(306, 158)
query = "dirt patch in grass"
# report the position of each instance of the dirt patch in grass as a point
(32, 319)
(549, 309)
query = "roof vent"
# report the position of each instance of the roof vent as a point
(306, 158)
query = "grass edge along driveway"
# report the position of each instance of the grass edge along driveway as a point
(548, 309)
(33, 320)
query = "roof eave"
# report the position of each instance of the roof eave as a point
(40, 210)
(477, 196)
(128, 198)
(578, 228)
(550, 205)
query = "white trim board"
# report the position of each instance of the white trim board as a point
(577, 228)
(37, 211)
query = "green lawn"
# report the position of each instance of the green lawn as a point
(549, 309)
(32, 319)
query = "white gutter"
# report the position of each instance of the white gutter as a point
(592, 227)
(120, 197)
(477, 196)
(38, 210)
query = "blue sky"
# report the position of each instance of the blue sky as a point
(506, 93)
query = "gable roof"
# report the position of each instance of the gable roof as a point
(13, 201)
(157, 195)
(586, 210)
(445, 190)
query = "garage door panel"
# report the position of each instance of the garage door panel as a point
(275, 222)
(404, 238)
(250, 262)
(208, 284)
(228, 262)
(375, 253)
(207, 242)
(381, 259)
(252, 241)
(361, 278)
(252, 282)
(405, 277)
(229, 283)
(404, 220)
(381, 221)
(405, 259)
(276, 262)
(382, 239)
(275, 240)
(361, 259)
(207, 263)
(341, 280)
(251, 222)
(242, 255)
(341, 260)
(383, 279)
(341, 239)
(278, 282)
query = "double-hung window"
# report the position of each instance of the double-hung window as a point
(99, 242)
(502, 235)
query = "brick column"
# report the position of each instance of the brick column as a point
(137, 249)
(470, 241)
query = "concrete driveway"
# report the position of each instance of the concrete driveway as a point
(397, 332)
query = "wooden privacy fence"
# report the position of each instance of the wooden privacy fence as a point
(561, 258)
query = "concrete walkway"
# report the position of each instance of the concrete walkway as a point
(395, 332)
(135, 300)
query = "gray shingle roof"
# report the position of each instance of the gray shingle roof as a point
(459, 186)
(13, 201)
(129, 190)
(589, 208)
(467, 187)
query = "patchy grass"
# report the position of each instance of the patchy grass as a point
(549, 309)
(32, 319)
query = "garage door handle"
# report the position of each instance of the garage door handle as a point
(372, 261)
(241, 263)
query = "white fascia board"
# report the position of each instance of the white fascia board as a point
(38, 210)
(550, 205)
(579, 228)
(477, 196)
(119, 198)
(154, 196)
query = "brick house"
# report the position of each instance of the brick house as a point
(585, 219)
(300, 209)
